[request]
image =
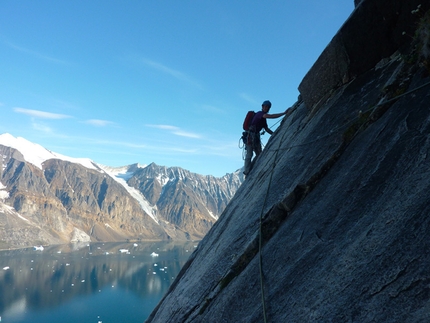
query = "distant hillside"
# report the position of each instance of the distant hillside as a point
(48, 198)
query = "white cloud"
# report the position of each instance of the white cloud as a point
(182, 150)
(36, 54)
(248, 98)
(63, 105)
(162, 126)
(168, 150)
(212, 108)
(169, 71)
(186, 134)
(98, 122)
(42, 128)
(41, 114)
(158, 66)
(175, 130)
(109, 143)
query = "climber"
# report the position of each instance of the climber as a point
(259, 122)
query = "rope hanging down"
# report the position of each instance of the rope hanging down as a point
(260, 240)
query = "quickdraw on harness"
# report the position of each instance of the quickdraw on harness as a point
(246, 124)
(247, 134)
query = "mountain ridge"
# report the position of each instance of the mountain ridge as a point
(66, 197)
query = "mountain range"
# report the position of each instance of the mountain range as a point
(49, 198)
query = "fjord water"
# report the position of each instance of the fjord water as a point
(97, 282)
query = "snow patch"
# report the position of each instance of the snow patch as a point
(212, 215)
(120, 175)
(36, 154)
(21, 217)
(10, 210)
(3, 193)
(79, 236)
(162, 179)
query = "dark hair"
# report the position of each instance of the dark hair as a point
(268, 103)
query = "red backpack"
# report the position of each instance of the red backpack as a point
(248, 120)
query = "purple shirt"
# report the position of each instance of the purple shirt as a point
(258, 121)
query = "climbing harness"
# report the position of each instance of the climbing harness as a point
(244, 139)
(246, 136)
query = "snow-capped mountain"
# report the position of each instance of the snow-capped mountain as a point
(47, 197)
(36, 154)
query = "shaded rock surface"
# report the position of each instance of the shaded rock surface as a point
(332, 223)
(375, 30)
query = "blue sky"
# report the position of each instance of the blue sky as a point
(165, 81)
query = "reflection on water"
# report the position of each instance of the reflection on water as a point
(100, 282)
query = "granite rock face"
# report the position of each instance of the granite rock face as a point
(375, 30)
(332, 223)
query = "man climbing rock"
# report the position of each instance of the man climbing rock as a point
(259, 122)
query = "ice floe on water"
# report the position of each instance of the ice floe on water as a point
(117, 271)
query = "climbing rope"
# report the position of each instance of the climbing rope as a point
(260, 240)
(260, 246)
